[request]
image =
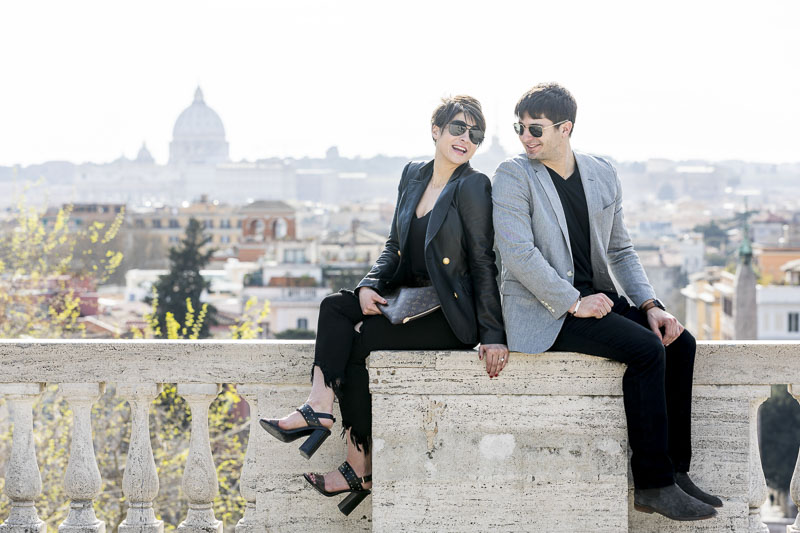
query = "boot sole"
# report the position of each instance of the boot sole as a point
(650, 510)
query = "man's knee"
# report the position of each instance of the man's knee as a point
(651, 352)
(684, 346)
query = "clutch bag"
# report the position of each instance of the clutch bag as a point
(408, 303)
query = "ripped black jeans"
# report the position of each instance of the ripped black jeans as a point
(341, 353)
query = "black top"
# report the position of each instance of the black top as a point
(573, 200)
(416, 247)
(461, 261)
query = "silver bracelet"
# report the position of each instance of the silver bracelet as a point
(577, 306)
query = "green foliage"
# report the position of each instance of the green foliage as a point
(780, 437)
(296, 334)
(248, 326)
(713, 234)
(32, 253)
(182, 286)
(41, 266)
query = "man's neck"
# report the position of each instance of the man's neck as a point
(563, 165)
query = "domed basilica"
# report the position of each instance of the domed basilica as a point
(198, 137)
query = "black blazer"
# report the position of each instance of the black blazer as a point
(458, 251)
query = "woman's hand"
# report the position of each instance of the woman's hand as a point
(368, 298)
(496, 356)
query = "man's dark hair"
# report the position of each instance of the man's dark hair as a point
(453, 105)
(550, 101)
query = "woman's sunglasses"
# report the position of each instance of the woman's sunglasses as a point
(537, 130)
(458, 127)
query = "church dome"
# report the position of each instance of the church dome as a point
(144, 156)
(198, 136)
(198, 121)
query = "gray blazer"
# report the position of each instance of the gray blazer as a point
(531, 235)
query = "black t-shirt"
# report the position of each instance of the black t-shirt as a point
(416, 247)
(573, 200)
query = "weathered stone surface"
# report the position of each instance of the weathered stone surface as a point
(746, 363)
(60, 361)
(720, 460)
(82, 481)
(248, 480)
(284, 501)
(140, 480)
(460, 372)
(507, 454)
(470, 460)
(23, 481)
(439, 467)
(200, 475)
(794, 486)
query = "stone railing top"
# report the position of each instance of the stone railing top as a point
(460, 372)
(288, 362)
(159, 361)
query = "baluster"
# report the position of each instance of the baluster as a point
(140, 480)
(794, 486)
(200, 475)
(82, 481)
(23, 481)
(247, 479)
(757, 494)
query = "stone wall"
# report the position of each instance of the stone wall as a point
(541, 448)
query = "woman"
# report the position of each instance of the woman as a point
(441, 235)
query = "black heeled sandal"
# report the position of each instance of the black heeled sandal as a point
(316, 431)
(356, 490)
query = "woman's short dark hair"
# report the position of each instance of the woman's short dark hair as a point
(453, 105)
(550, 101)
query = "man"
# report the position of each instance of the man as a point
(560, 232)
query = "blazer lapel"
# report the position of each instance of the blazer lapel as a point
(555, 201)
(590, 188)
(408, 204)
(594, 205)
(440, 208)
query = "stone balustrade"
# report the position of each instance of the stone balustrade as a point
(541, 448)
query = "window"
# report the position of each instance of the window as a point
(174, 223)
(138, 223)
(794, 327)
(156, 223)
(294, 255)
(225, 239)
(280, 228)
(727, 306)
(302, 323)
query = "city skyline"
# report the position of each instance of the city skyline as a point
(691, 82)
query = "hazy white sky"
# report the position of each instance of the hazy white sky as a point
(91, 80)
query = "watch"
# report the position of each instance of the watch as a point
(655, 302)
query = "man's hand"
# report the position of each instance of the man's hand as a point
(658, 318)
(496, 357)
(595, 305)
(367, 298)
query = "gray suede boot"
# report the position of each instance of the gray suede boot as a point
(673, 503)
(685, 483)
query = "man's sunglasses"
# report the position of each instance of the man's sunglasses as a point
(537, 130)
(458, 127)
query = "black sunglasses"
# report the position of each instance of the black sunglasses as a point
(458, 127)
(537, 130)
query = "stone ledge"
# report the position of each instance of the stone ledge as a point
(460, 372)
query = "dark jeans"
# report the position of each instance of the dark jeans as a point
(341, 353)
(657, 387)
